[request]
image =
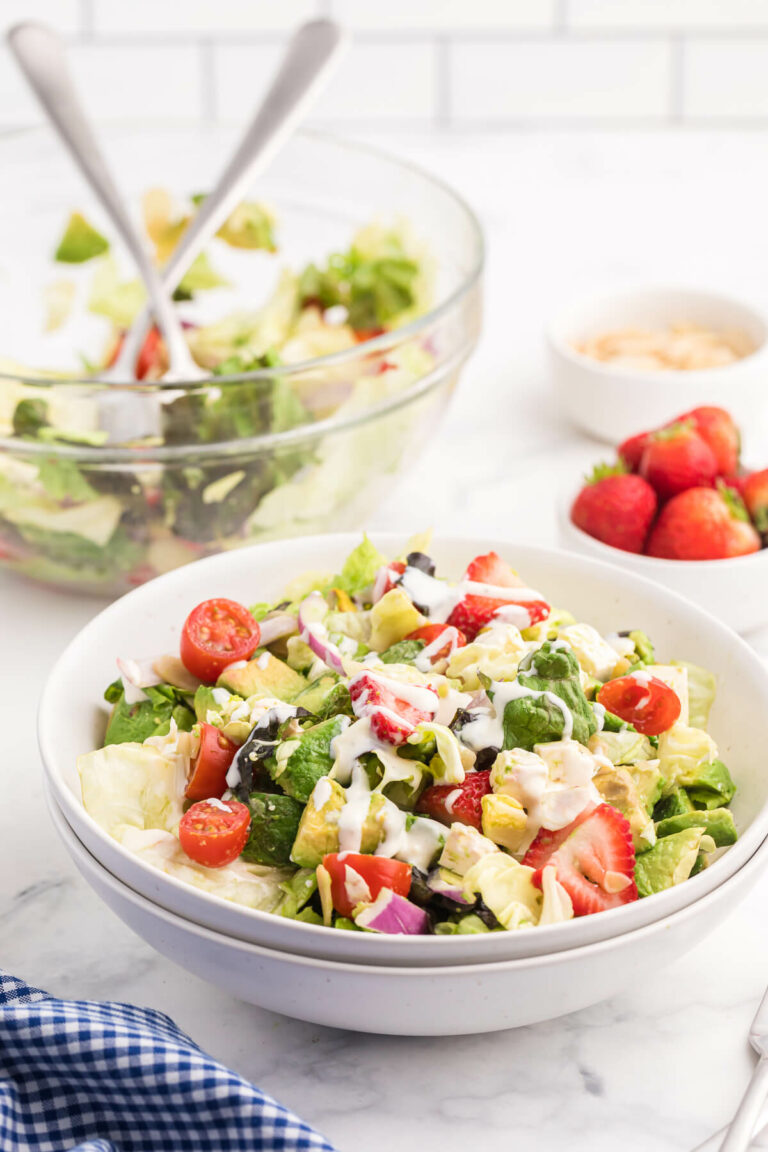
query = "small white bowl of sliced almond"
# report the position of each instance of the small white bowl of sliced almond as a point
(631, 358)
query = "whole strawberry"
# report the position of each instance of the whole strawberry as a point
(631, 450)
(717, 429)
(615, 507)
(675, 459)
(755, 492)
(703, 524)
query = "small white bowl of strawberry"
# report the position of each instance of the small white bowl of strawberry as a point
(678, 507)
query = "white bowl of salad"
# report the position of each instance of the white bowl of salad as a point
(391, 751)
(334, 312)
(416, 1001)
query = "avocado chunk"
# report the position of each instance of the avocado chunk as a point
(717, 823)
(712, 786)
(318, 831)
(403, 652)
(677, 803)
(80, 242)
(649, 783)
(618, 789)
(300, 888)
(669, 862)
(274, 823)
(264, 675)
(308, 758)
(321, 693)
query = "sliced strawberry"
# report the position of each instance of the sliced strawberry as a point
(392, 718)
(386, 579)
(460, 803)
(491, 569)
(596, 863)
(388, 727)
(476, 612)
(547, 841)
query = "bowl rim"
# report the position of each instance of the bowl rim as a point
(378, 343)
(756, 861)
(655, 565)
(559, 344)
(54, 782)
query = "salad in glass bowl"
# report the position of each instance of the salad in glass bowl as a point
(384, 750)
(334, 312)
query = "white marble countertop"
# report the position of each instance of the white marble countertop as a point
(656, 1070)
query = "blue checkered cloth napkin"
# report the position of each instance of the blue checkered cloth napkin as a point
(80, 1076)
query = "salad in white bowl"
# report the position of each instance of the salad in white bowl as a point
(382, 750)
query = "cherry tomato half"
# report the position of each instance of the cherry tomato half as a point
(217, 633)
(642, 700)
(429, 634)
(152, 360)
(214, 834)
(352, 873)
(210, 767)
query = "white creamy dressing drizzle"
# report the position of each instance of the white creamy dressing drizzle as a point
(263, 660)
(449, 638)
(353, 815)
(321, 793)
(439, 599)
(233, 667)
(487, 731)
(357, 889)
(554, 784)
(220, 696)
(643, 678)
(599, 711)
(451, 799)
(449, 704)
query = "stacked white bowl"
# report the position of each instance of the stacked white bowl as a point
(428, 985)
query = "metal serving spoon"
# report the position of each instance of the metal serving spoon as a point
(42, 56)
(311, 53)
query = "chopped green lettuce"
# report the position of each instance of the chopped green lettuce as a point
(133, 723)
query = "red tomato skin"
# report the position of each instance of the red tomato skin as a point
(212, 837)
(430, 632)
(206, 655)
(377, 871)
(654, 716)
(209, 770)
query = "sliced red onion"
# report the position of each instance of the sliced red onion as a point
(393, 915)
(442, 885)
(313, 632)
(277, 626)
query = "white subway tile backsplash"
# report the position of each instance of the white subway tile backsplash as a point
(375, 82)
(558, 80)
(199, 17)
(135, 82)
(66, 15)
(666, 15)
(726, 79)
(445, 16)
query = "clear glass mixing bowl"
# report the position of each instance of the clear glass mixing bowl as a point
(152, 502)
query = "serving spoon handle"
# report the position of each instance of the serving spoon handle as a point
(312, 53)
(41, 55)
